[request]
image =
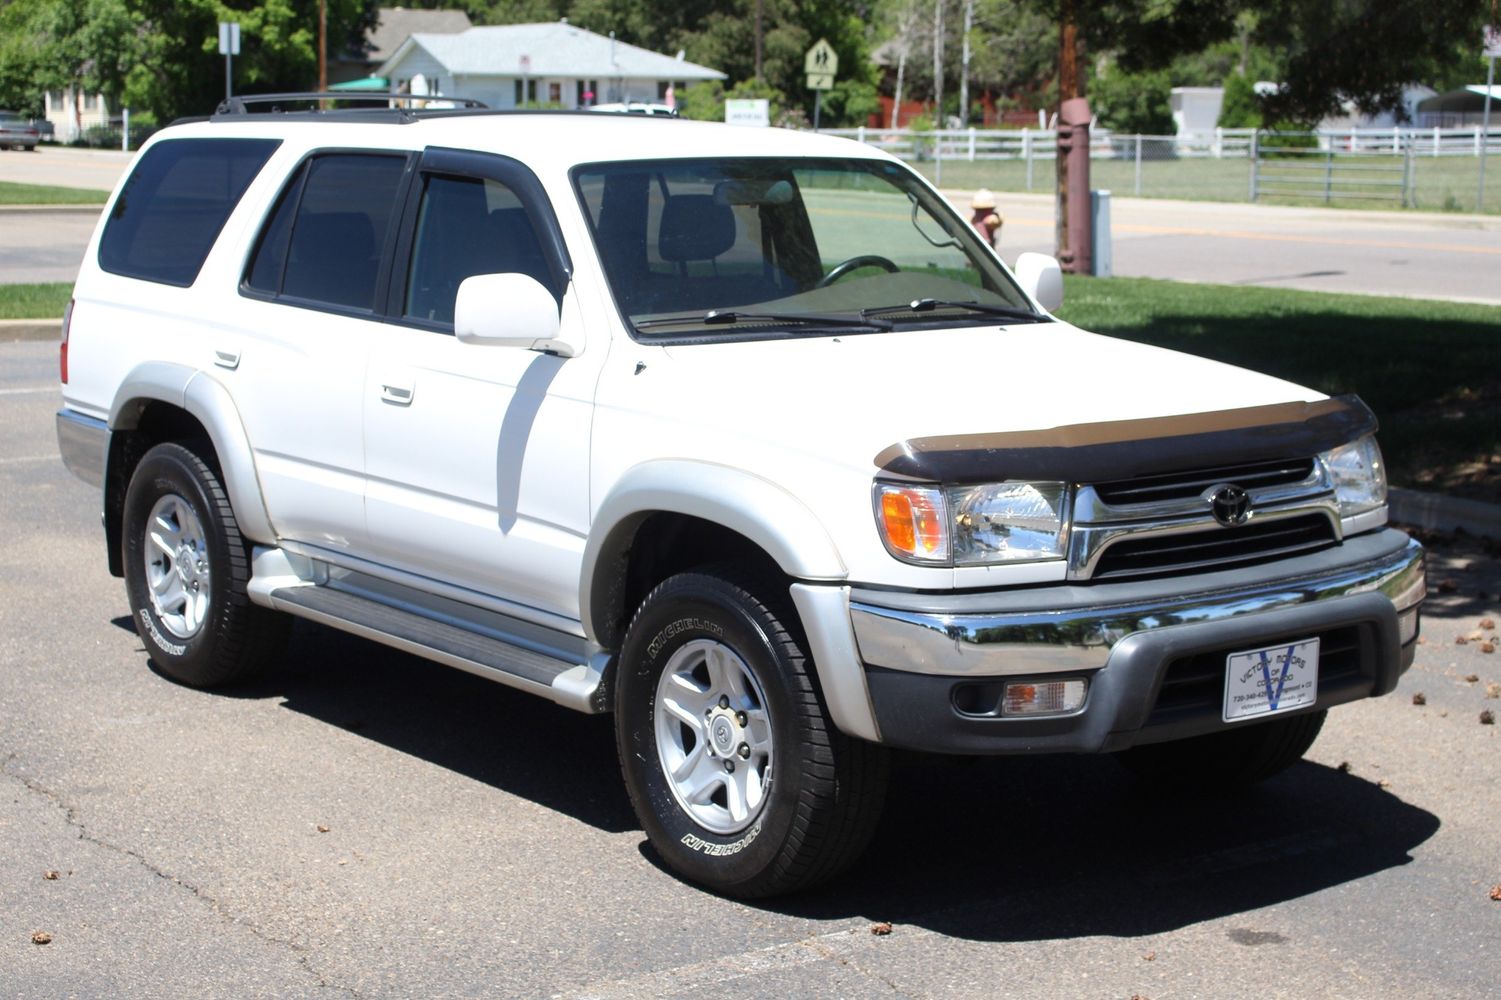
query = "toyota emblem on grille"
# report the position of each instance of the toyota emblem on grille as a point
(1231, 505)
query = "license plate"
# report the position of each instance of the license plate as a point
(1271, 680)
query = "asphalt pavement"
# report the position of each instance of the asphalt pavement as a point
(366, 824)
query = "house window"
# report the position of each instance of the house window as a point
(531, 92)
(555, 93)
(91, 102)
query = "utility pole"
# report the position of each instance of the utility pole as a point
(322, 46)
(938, 63)
(1068, 88)
(969, 22)
(759, 5)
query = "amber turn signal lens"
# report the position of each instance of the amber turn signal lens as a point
(913, 522)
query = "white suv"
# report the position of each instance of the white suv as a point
(741, 434)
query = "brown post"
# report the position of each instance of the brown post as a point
(1074, 250)
(322, 47)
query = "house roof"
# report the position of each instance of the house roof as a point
(554, 49)
(1471, 98)
(396, 24)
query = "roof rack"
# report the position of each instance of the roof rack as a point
(241, 106)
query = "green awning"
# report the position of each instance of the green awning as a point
(368, 83)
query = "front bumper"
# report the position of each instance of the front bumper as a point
(1153, 652)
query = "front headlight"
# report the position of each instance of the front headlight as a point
(974, 525)
(1359, 476)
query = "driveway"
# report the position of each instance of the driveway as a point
(361, 823)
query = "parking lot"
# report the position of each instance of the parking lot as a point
(363, 823)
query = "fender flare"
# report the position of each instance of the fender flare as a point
(209, 403)
(755, 508)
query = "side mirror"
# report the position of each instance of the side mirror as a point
(510, 310)
(1042, 278)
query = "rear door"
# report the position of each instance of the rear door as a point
(298, 344)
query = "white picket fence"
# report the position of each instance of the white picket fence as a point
(1041, 144)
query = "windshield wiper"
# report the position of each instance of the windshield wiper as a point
(929, 305)
(721, 317)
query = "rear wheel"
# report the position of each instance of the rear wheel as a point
(1240, 756)
(737, 775)
(186, 568)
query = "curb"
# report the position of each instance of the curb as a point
(52, 209)
(1437, 512)
(30, 329)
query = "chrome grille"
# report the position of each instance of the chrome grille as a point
(1180, 485)
(1215, 547)
(1159, 524)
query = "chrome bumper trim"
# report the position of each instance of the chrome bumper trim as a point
(84, 443)
(1081, 638)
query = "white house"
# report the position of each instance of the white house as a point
(71, 112)
(393, 25)
(556, 64)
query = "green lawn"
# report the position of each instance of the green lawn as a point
(45, 301)
(1442, 184)
(1428, 369)
(41, 194)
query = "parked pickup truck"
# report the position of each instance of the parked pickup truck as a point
(740, 434)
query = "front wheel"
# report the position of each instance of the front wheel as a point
(737, 775)
(186, 567)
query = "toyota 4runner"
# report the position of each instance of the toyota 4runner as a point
(739, 434)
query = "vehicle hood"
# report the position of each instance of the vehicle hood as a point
(849, 398)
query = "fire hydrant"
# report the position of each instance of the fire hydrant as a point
(986, 220)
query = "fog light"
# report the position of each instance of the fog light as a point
(1044, 697)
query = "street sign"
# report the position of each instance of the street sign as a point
(229, 38)
(1492, 44)
(821, 58)
(755, 112)
(820, 81)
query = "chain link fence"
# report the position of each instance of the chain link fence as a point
(1431, 169)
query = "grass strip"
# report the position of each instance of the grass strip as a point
(34, 301)
(42, 194)
(1428, 369)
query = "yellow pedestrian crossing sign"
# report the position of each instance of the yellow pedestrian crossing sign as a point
(821, 61)
(820, 81)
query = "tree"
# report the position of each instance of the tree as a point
(1133, 102)
(1239, 108)
(56, 44)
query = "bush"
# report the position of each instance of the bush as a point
(1137, 103)
(1240, 108)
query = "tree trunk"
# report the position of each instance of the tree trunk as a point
(969, 23)
(938, 63)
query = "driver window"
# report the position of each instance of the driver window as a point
(466, 226)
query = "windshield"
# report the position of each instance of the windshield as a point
(733, 248)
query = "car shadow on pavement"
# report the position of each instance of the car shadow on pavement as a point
(996, 849)
(510, 740)
(1040, 848)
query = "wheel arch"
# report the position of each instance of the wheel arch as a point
(718, 511)
(162, 401)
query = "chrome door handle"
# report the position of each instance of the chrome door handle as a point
(401, 395)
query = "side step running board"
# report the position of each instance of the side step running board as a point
(572, 685)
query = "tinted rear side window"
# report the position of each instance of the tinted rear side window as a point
(175, 203)
(323, 243)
